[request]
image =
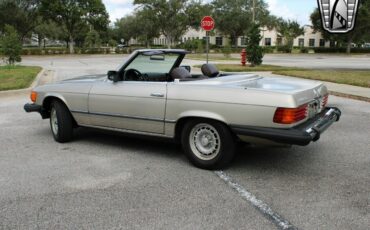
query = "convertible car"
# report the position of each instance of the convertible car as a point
(153, 94)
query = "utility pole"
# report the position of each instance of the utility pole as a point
(254, 11)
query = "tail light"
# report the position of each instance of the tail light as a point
(325, 101)
(289, 115)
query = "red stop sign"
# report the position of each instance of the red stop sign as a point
(207, 23)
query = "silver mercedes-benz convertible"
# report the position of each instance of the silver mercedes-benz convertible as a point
(153, 94)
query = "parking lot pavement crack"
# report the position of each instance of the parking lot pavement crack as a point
(261, 206)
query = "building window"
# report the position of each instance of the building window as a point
(279, 41)
(219, 41)
(311, 42)
(267, 41)
(301, 42)
(332, 44)
(243, 41)
(322, 43)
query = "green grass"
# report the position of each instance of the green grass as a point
(349, 77)
(17, 77)
(240, 68)
(212, 57)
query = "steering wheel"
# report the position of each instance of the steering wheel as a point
(132, 75)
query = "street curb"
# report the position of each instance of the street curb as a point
(39, 78)
(359, 98)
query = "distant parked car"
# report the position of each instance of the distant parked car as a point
(120, 46)
(152, 94)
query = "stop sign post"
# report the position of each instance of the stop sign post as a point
(207, 24)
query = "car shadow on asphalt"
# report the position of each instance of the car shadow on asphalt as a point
(247, 157)
(130, 142)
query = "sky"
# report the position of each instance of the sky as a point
(299, 10)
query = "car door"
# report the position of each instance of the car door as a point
(130, 105)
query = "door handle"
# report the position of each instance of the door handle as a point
(157, 95)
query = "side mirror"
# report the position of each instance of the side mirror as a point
(187, 67)
(113, 75)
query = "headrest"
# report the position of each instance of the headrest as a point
(180, 73)
(210, 70)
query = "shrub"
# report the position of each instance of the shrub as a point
(284, 49)
(254, 50)
(268, 49)
(11, 45)
(340, 50)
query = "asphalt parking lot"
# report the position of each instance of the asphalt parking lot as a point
(105, 180)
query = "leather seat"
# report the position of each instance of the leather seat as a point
(180, 73)
(210, 70)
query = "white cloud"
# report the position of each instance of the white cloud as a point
(119, 2)
(118, 13)
(280, 9)
(118, 8)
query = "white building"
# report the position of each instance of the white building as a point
(269, 38)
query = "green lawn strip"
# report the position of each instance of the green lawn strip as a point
(240, 68)
(17, 77)
(349, 77)
(212, 57)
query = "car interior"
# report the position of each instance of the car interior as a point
(159, 67)
(181, 73)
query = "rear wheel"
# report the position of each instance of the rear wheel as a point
(208, 144)
(61, 122)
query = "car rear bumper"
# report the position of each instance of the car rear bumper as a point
(36, 108)
(302, 134)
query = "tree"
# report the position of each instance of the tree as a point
(235, 17)
(254, 50)
(76, 15)
(92, 39)
(356, 35)
(146, 26)
(47, 29)
(289, 30)
(20, 14)
(172, 16)
(125, 28)
(11, 45)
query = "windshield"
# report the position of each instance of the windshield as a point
(157, 63)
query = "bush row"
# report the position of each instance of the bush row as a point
(62, 50)
(200, 49)
(340, 50)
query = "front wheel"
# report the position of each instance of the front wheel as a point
(208, 144)
(61, 122)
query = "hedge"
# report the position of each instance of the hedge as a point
(63, 50)
(340, 50)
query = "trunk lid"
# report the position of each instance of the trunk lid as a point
(303, 91)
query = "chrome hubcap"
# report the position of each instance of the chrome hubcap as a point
(54, 121)
(205, 141)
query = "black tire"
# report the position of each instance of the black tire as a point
(64, 131)
(221, 135)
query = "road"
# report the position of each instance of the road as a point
(72, 66)
(105, 180)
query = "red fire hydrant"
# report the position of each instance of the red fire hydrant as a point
(243, 55)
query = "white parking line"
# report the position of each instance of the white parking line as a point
(259, 204)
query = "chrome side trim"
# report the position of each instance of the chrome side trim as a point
(127, 131)
(120, 116)
(79, 111)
